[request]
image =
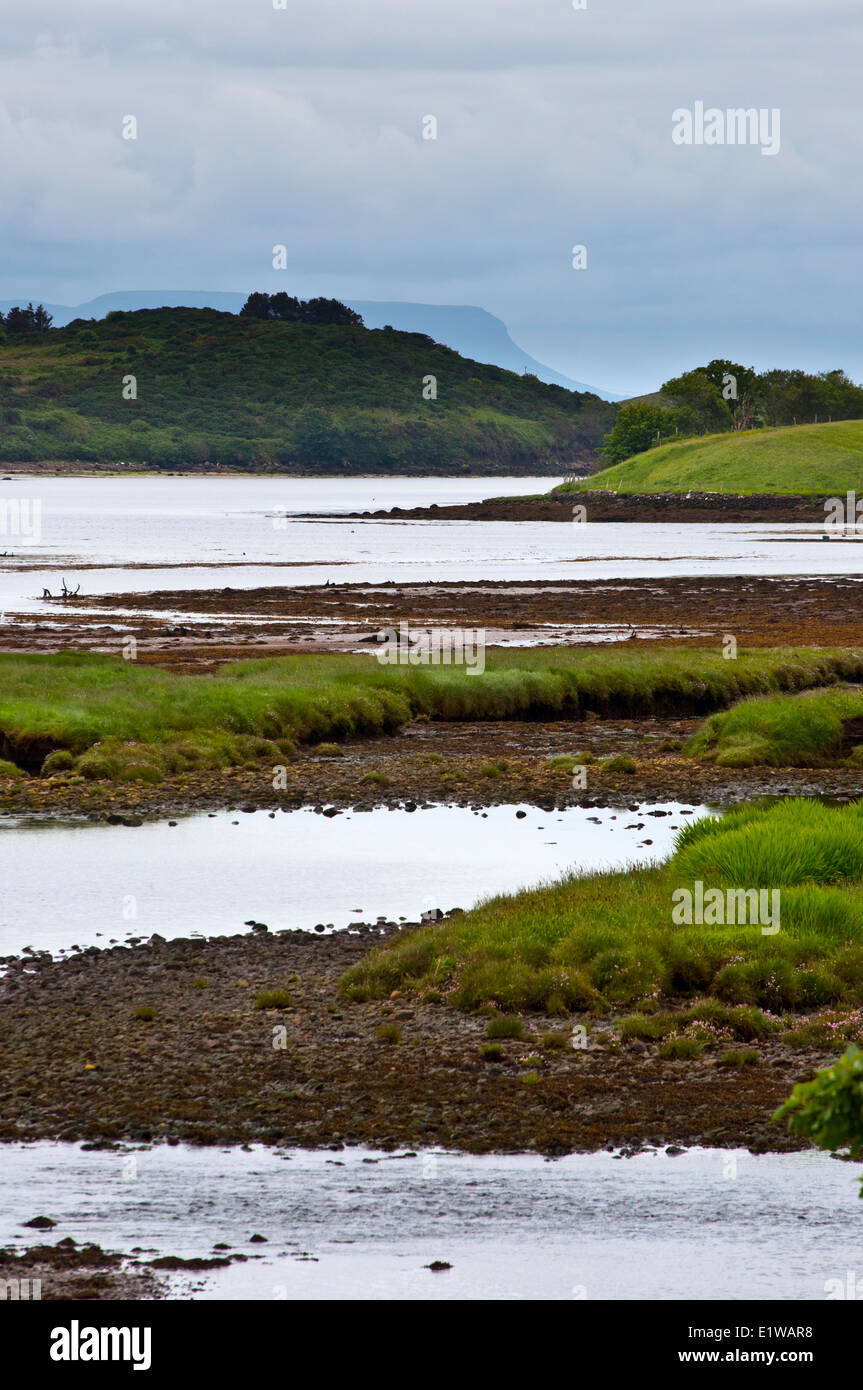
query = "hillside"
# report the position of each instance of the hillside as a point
(468, 330)
(799, 459)
(213, 388)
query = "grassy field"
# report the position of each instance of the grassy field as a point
(800, 459)
(608, 943)
(807, 730)
(102, 717)
(219, 389)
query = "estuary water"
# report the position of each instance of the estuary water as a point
(89, 884)
(138, 535)
(356, 1224)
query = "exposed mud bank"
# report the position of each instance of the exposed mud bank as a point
(621, 506)
(228, 623)
(210, 1067)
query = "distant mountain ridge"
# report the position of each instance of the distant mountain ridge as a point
(472, 332)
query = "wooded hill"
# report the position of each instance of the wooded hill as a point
(186, 388)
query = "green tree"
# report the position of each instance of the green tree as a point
(639, 426)
(317, 438)
(257, 306)
(829, 1109)
(738, 387)
(700, 402)
(328, 311)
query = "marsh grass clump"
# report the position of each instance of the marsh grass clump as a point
(61, 760)
(273, 999)
(389, 1033)
(748, 1058)
(561, 762)
(708, 1021)
(606, 942)
(145, 1013)
(491, 1052)
(789, 730)
(505, 1027)
(681, 1049)
(495, 768)
(134, 717)
(8, 769)
(376, 779)
(555, 1042)
(619, 762)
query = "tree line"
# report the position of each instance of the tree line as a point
(725, 396)
(286, 309)
(28, 320)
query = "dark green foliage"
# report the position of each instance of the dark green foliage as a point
(297, 387)
(829, 1110)
(726, 396)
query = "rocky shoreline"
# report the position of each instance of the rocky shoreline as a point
(69, 1272)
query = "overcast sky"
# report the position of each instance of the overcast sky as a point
(303, 126)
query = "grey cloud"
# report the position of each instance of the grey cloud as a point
(554, 129)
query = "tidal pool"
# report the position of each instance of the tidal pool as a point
(86, 883)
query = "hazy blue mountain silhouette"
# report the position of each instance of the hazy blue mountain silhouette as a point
(470, 331)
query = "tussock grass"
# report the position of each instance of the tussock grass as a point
(124, 722)
(273, 999)
(606, 942)
(781, 731)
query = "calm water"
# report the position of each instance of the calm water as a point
(85, 884)
(185, 530)
(356, 1224)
